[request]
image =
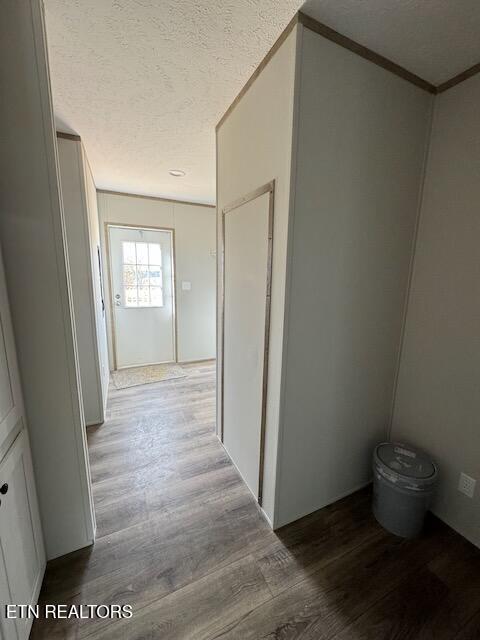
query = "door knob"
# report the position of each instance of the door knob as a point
(4, 489)
(117, 296)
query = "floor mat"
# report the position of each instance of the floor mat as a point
(134, 376)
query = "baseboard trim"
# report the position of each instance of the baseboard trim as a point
(202, 360)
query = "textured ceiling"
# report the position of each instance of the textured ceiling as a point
(143, 82)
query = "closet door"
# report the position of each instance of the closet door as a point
(247, 253)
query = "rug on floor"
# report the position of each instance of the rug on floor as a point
(134, 376)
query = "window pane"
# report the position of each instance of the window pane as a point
(142, 276)
(130, 294)
(154, 254)
(129, 275)
(143, 297)
(155, 276)
(142, 253)
(156, 296)
(129, 253)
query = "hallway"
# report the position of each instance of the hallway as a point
(180, 539)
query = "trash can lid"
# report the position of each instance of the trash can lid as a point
(405, 460)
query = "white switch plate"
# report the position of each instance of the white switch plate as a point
(186, 286)
(466, 485)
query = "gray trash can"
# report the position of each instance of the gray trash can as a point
(403, 483)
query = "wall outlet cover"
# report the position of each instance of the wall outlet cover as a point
(466, 485)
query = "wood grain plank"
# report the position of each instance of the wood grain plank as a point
(183, 541)
(471, 631)
(329, 599)
(403, 613)
(234, 591)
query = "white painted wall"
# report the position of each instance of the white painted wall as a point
(82, 228)
(98, 268)
(194, 227)
(36, 265)
(437, 403)
(195, 257)
(361, 142)
(254, 146)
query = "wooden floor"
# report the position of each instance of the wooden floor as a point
(182, 541)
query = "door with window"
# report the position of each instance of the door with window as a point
(143, 296)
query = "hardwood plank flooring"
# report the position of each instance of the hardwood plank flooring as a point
(181, 539)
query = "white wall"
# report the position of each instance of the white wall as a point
(36, 265)
(195, 257)
(254, 146)
(194, 227)
(97, 270)
(438, 401)
(362, 135)
(81, 218)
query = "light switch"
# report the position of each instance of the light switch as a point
(186, 286)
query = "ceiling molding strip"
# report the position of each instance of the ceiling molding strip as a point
(337, 38)
(68, 136)
(108, 192)
(468, 73)
(364, 52)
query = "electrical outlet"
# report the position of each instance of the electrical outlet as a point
(466, 485)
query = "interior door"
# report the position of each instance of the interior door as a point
(142, 279)
(247, 270)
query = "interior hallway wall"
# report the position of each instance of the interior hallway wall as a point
(254, 146)
(195, 261)
(361, 141)
(32, 232)
(438, 398)
(83, 239)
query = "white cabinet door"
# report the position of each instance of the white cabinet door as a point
(8, 628)
(22, 555)
(11, 406)
(21, 547)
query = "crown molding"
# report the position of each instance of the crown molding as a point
(108, 192)
(468, 73)
(68, 136)
(347, 43)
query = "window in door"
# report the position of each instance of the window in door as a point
(142, 274)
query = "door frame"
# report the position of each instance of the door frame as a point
(269, 188)
(149, 227)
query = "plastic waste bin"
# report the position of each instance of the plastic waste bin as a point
(404, 480)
